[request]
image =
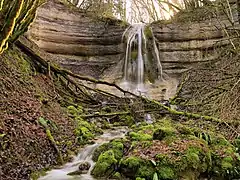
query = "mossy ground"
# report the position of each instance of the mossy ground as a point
(170, 150)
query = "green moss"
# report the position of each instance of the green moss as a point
(134, 55)
(192, 157)
(161, 133)
(227, 162)
(117, 175)
(84, 130)
(130, 165)
(126, 120)
(101, 149)
(144, 127)
(221, 141)
(139, 178)
(117, 147)
(185, 130)
(105, 165)
(37, 174)
(197, 157)
(166, 173)
(140, 136)
(146, 171)
(237, 143)
(86, 133)
(132, 162)
(148, 32)
(74, 111)
(24, 66)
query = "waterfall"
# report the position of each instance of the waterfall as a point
(140, 65)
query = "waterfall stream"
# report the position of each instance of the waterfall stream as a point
(140, 65)
(85, 155)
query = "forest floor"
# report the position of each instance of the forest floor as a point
(25, 97)
(40, 129)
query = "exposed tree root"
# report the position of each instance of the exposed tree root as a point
(51, 139)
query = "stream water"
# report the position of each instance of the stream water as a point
(85, 155)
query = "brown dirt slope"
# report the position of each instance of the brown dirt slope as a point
(27, 95)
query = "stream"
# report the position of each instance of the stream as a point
(85, 155)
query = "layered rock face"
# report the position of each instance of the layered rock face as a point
(92, 46)
(83, 43)
(184, 44)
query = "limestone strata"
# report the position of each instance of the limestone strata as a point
(80, 39)
(184, 44)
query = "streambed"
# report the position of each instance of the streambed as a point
(85, 155)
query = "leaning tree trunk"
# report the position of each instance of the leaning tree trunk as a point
(15, 18)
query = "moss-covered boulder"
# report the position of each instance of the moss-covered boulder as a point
(161, 133)
(139, 136)
(133, 166)
(101, 149)
(105, 165)
(115, 145)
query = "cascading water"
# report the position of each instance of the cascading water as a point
(140, 64)
(85, 156)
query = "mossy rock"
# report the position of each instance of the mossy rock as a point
(166, 172)
(130, 165)
(116, 146)
(101, 149)
(126, 120)
(133, 167)
(105, 165)
(148, 32)
(146, 171)
(117, 176)
(161, 133)
(84, 130)
(75, 111)
(197, 158)
(140, 136)
(139, 178)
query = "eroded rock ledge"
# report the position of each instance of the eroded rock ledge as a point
(83, 43)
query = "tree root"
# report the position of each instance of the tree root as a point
(43, 122)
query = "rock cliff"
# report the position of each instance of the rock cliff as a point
(183, 44)
(82, 42)
(90, 45)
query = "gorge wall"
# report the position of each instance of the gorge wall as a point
(82, 43)
(91, 45)
(183, 44)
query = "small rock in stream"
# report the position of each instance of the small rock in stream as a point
(84, 166)
(82, 169)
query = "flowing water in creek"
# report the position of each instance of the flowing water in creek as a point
(85, 155)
